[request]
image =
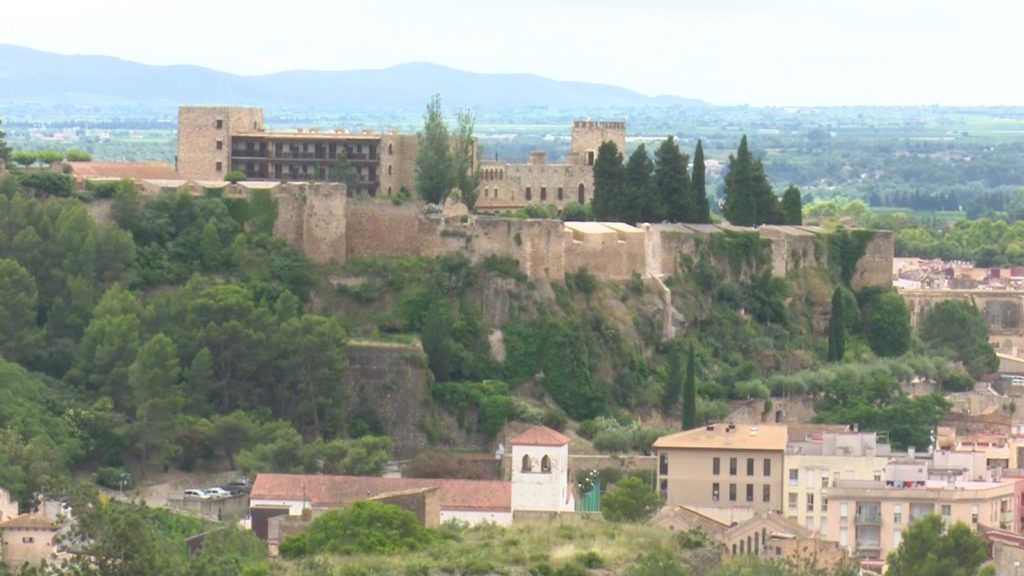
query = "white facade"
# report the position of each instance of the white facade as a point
(540, 478)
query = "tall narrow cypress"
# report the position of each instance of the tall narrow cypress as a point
(690, 393)
(699, 186)
(837, 328)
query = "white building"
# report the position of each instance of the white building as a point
(540, 471)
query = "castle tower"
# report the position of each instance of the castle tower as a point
(204, 138)
(540, 471)
(588, 135)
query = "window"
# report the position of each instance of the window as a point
(767, 492)
(974, 514)
(810, 502)
(823, 526)
(527, 467)
(897, 537)
(767, 466)
(732, 466)
(809, 522)
(543, 194)
(581, 192)
(794, 477)
(389, 169)
(390, 149)
(824, 478)
(809, 479)
(792, 501)
(824, 504)
(750, 492)
(842, 535)
(714, 491)
(946, 512)
(897, 513)
(220, 144)
(529, 194)
(732, 492)
(716, 466)
(220, 166)
(545, 464)
(27, 539)
(219, 124)
(590, 156)
(663, 464)
(844, 509)
(750, 466)
(561, 193)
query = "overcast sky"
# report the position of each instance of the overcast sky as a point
(786, 52)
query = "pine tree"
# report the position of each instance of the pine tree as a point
(699, 186)
(792, 211)
(434, 175)
(609, 182)
(640, 201)
(837, 327)
(739, 208)
(672, 180)
(690, 393)
(157, 399)
(765, 200)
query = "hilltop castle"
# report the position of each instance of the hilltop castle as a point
(213, 141)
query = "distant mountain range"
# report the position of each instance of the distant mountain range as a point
(35, 77)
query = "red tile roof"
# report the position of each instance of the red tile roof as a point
(30, 521)
(540, 436)
(334, 491)
(134, 170)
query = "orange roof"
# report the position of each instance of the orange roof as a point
(132, 170)
(728, 437)
(30, 521)
(335, 491)
(540, 436)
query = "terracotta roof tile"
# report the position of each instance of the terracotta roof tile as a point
(540, 436)
(134, 170)
(30, 521)
(334, 491)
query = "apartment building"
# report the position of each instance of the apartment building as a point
(869, 516)
(723, 465)
(813, 466)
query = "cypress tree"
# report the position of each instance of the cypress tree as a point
(640, 202)
(672, 180)
(690, 394)
(674, 384)
(837, 327)
(699, 186)
(766, 203)
(792, 211)
(434, 175)
(739, 208)
(609, 182)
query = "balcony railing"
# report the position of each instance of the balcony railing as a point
(868, 519)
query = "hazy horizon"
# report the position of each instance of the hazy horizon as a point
(725, 52)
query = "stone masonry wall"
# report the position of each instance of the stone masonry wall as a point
(875, 267)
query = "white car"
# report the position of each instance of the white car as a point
(217, 492)
(196, 493)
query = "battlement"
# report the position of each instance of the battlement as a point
(598, 125)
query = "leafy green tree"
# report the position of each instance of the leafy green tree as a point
(609, 182)
(365, 527)
(229, 551)
(281, 450)
(435, 176)
(672, 180)
(200, 382)
(630, 501)
(641, 202)
(5, 150)
(363, 456)
(25, 158)
(155, 383)
(467, 175)
(690, 393)
(837, 327)
(957, 330)
(18, 301)
(749, 200)
(929, 549)
(78, 156)
(343, 171)
(699, 186)
(792, 210)
(888, 325)
(210, 247)
(104, 355)
(312, 351)
(233, 432)
(674, 380)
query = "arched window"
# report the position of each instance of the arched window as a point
(389, 169)
(582, 190)
(527, 466)
(545, 464)
(390, 149)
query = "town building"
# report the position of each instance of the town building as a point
(540, 473)
(28, 539)
(813, 466)
(723, 465)
(870, 516)
(214, 140)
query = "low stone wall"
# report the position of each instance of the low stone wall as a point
(230, 508)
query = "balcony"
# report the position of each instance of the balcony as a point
(250, 153)
(868, 519)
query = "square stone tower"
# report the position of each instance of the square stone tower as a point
(588, 135)
(540, 471)
(204, 138)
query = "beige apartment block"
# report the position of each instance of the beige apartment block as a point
(723, 465)
(869, 516)
(813, 466)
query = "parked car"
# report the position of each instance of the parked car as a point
(218, 492)
(196, 493)
(238, 487)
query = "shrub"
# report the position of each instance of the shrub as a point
(365, 527)
(111, 477)
(235, 176)
(630, 501)
(79, 156)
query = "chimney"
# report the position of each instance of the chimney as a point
(710, 428)
(911, 453)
